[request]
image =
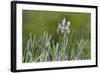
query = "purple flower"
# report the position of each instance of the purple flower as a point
(63, 26)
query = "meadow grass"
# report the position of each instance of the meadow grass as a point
(46, 37)
(45, 49)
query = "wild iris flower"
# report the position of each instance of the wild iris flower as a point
(63, 26)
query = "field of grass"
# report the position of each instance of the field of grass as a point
(44, 40)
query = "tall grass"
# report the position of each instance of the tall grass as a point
(45, 49)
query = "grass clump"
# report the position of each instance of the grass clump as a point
(45, 49)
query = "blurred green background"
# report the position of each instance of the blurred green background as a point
(37, 22)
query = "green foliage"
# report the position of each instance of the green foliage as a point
(45, 49)
(56, 44)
